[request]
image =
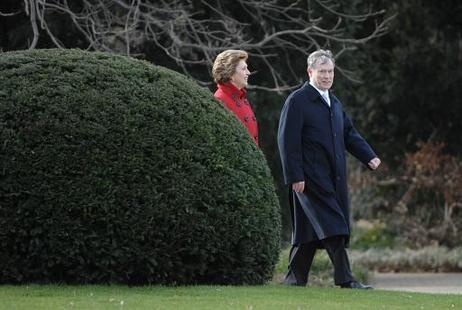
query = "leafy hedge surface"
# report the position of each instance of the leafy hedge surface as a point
(114, 170)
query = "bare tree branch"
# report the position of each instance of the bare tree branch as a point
(9, 14)
(192, 33)
(30, 7)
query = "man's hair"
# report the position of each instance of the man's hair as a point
(319, 57)
(225, 65)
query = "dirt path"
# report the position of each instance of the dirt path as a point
(441, 283)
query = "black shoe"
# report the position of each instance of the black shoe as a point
(356, 285)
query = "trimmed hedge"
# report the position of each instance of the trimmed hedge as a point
(113, 170)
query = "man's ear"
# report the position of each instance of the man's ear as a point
(308, 71)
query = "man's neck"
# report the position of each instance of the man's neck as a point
(319, 90)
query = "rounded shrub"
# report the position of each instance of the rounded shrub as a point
(113, 170)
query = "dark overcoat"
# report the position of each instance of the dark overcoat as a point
(312, 140)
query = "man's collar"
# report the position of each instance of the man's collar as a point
(320, 91)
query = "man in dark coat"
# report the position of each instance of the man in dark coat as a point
(313, 134)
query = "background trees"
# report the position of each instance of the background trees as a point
(187, 34)
(412, 79)
(409, 106)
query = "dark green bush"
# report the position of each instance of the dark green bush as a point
(116, 171)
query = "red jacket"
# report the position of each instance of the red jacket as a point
(235, 100)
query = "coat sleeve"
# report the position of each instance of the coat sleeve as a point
(355, 144)
(290, 142)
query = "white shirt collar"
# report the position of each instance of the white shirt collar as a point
(323, 93)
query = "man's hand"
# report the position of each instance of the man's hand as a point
(298, 187)
(374, 163)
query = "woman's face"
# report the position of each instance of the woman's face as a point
(241, 75)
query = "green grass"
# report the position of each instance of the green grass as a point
(215, 297)
(320, 295)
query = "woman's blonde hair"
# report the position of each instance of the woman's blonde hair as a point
(225, 65)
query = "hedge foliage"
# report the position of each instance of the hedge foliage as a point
(113, 170)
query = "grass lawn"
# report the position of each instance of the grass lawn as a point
(215, 297)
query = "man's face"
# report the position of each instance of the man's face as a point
(240, 76)
(322, 75)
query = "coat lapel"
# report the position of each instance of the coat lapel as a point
(314, 96)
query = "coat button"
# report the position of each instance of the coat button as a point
(338, 178)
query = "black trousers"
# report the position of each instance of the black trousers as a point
(301, 257)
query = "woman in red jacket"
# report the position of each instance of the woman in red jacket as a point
(230, 72)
